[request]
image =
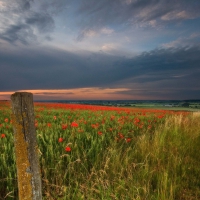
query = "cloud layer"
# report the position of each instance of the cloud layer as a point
(23, 20)
(154, 71)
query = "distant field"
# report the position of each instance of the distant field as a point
(194, 108)
(190, 107)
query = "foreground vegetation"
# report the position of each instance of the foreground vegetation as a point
(91, 152)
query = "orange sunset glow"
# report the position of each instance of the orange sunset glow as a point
(75, 94)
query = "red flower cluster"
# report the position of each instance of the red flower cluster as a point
(136, 120)
(95, 125)
(3, 135)
(74, 124)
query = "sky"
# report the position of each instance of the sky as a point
(105, 49)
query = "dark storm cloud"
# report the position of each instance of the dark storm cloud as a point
(22, 5)
(165, 73)
(157, 71)
(23, 23)
(19, 32)
(54, 7)
(24, 32)
(43, 21)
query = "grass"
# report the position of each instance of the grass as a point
(114, 154)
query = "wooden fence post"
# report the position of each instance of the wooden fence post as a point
(26, 150)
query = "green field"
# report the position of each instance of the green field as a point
(107, 153)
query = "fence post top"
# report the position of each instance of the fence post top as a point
(22, 94)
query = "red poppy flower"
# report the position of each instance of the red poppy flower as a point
(49, 124)
(136, 120)
(121, 135)
(3, 135)
(112, 117)
(128, 139)
(6, 119)
(60, 139)
(99, 133)
(149, 126)
(64, 126)
(67, 148)
(140, 126)
(74, 124)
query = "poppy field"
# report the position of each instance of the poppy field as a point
(98, 152)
